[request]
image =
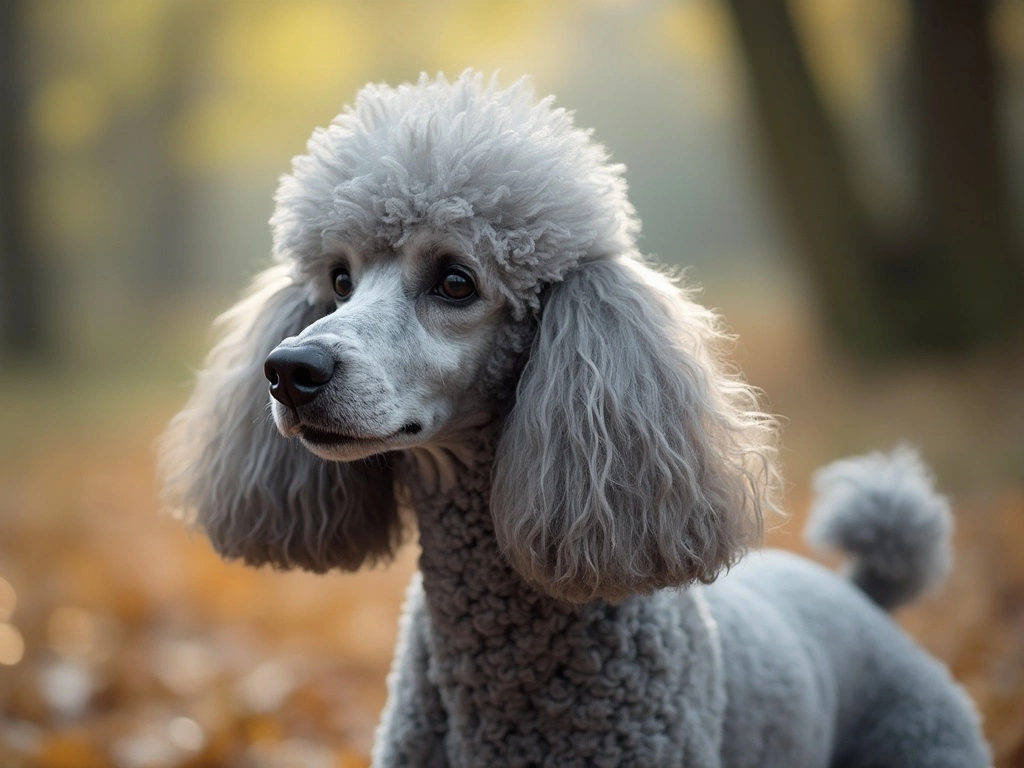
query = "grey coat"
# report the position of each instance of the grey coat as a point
(586, 468)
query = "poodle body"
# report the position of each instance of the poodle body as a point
(819, 675)
(460, 324)
(780, 662)
(498, 674)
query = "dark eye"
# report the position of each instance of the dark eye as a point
(456, 285)
(342, 282)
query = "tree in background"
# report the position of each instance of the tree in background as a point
(22, 312)
(951, 278)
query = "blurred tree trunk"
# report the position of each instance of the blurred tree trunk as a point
(22, 310)
(812, 182)
(976, 268)
(953, 280)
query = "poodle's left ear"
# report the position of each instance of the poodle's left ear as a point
(632, 460)
(260, 497)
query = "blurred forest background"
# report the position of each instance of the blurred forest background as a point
(845, 177)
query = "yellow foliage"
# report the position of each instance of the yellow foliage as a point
(221, 133)
(696, 30)
(699, 33)
(279, 69)
(293, 50)
(846, 41)
(515, 37)
(131, 58)
(69, 111)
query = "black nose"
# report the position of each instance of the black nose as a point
(297, 374)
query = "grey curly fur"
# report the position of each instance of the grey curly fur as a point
(293, 510)
(640, 464)
(577, 515)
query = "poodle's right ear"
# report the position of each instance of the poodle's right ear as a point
(634, 458)
(259, 496)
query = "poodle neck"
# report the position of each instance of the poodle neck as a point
(462, 566)
(510, 661)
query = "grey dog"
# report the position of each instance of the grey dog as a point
(459, 329)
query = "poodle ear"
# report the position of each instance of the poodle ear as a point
(631, 460)
(258, 496)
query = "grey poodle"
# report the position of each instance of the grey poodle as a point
(459, 328)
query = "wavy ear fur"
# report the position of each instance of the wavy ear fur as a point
(257, 495)
(632, 460)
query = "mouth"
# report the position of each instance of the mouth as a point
(323, 437)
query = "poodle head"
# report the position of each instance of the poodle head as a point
(425, 220)
(442, 244)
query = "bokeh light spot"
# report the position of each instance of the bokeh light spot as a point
(12, 646)
(186, 734)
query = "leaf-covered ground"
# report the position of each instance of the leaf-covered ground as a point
(125, 642)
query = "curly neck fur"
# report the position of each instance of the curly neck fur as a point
(512, 663)
(460, 550)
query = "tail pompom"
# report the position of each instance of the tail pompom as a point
(882, 511)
